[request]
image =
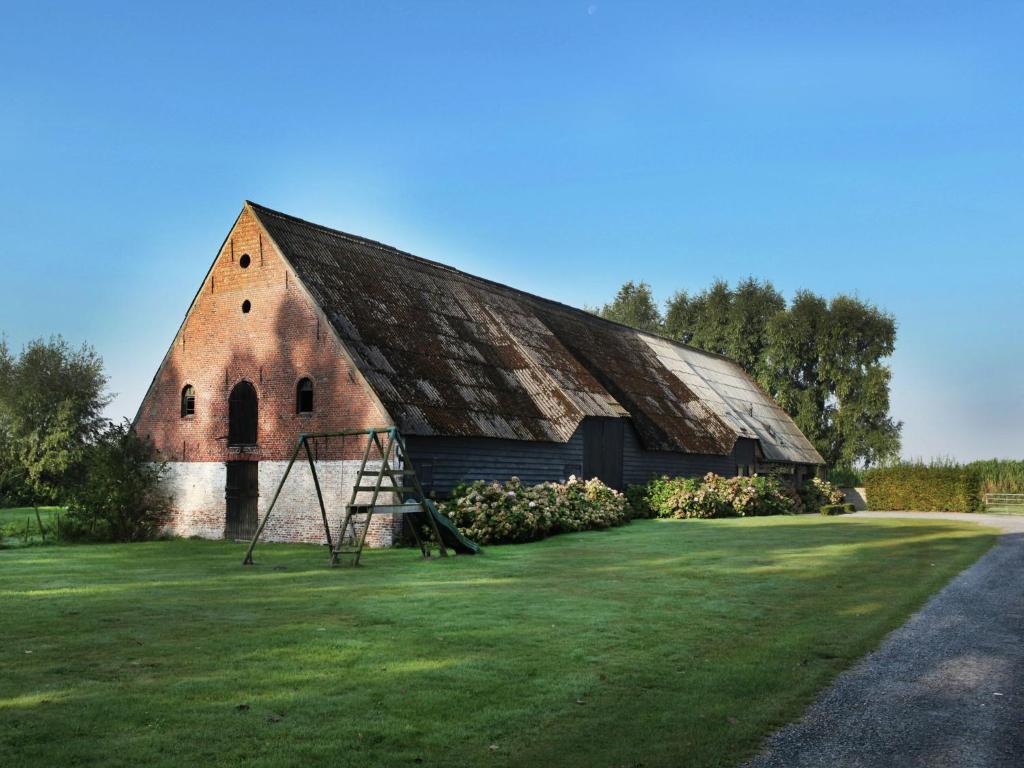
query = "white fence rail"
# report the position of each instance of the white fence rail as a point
(1004, 499)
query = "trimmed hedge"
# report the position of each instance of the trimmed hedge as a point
(921, 488)
(846, 477)
(837, 509)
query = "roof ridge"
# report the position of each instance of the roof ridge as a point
(476, 278)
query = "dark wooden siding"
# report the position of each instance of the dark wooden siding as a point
(602, 450)
(448, 461)
(639, 465)
(745, 452)
(444, 462)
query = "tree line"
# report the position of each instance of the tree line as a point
(823, 360)
(56, 446)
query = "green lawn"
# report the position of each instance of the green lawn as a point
(13, 521)
(18, 515)
(662, 643)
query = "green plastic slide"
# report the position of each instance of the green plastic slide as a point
(451, 535)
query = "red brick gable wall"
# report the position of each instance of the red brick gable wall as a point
(281, 340)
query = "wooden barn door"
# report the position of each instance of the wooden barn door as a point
(602, 450)
(243, 414)
(243, 495)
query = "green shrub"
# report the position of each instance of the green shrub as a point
(510, 512)
(816, 493)
(119, 497)
(919, 487)
(654, 499)
(716, 496)
(796, 501)
(837, 509)
(639, 504)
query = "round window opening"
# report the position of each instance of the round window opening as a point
(246, 306)
(244, 261)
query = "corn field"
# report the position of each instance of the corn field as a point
(1000, 475)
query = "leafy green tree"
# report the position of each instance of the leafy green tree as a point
(51, 408)
(754, 304)
(790, 367)
(681, 316)
(824, 364)
(823, 361)
(726, 321)
(14, 490)
(634, 305)
(118, 497)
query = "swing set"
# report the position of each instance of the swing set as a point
(384, 457)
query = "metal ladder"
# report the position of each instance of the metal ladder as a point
(349, 553)
(402, 481)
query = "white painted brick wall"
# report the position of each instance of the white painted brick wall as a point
(197, 498)
(199, 507)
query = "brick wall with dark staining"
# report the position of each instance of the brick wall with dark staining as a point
(279, 341)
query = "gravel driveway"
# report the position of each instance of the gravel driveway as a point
(944, 690)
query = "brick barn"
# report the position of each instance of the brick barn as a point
(300, 328)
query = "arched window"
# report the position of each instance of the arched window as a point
(243, 414)
(304, 396)
(188, 401)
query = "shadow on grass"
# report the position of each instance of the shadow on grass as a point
(597, 648)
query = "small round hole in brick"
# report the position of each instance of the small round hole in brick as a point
(244, 261)
(246, 306)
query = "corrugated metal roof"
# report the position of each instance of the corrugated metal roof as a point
(667, 414)
(726, 388)
(452, 354)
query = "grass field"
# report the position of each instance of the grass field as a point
(663, 643)
(18, 515)
(15, 521)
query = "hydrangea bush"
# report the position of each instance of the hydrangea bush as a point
(713, 496)
(493, 513)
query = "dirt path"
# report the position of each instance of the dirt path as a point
(944, 690)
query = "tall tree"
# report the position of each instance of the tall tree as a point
(790, 366)
(51, 408)
(824, 364)
(634, 305)
(754, 304)
(726, 321)
(14, 489)
(823, 361)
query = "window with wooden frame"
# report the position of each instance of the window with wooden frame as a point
(188, 401)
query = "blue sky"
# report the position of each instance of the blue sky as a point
(876, 148)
